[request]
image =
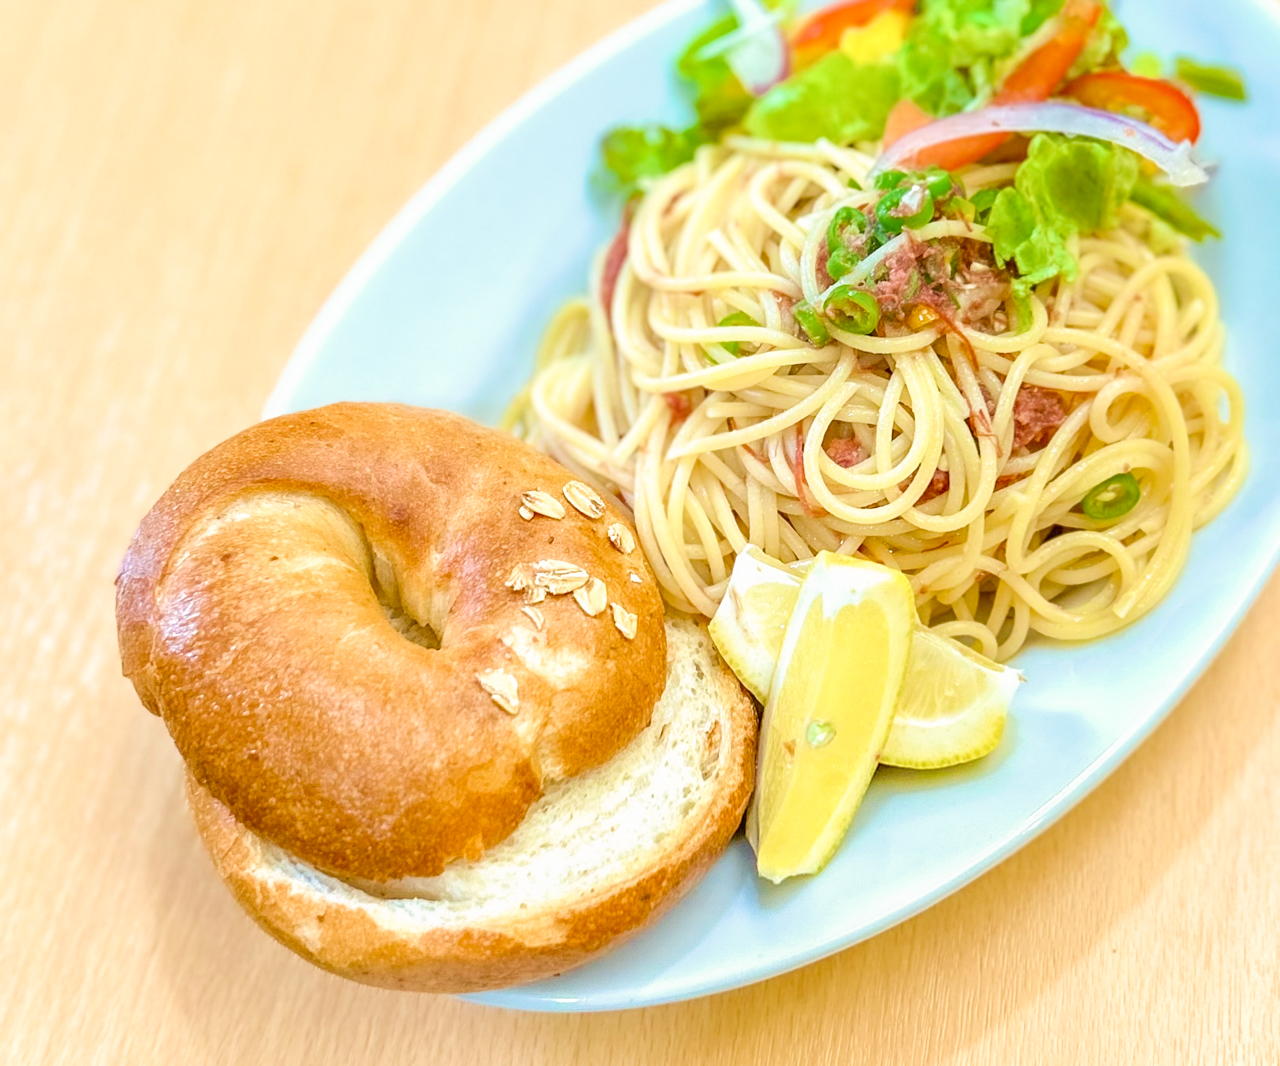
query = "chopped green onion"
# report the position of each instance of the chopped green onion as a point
(897, 223)
(854, 183)
(1211, 79)
(853, 310)
(738, 318)
(1112, 498)
(890, 179)
(811, 322)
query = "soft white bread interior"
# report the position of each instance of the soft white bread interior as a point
(596, 857)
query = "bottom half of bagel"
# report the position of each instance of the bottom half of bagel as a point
(595, 858)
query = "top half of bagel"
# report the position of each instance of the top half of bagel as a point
(376, 633)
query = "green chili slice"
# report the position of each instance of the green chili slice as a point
(738, 318)
(1112, 498)
(853, 310)
(843, 219)
(811, 322)
(890, 202)
(890, 179)
(939, 182)
(1212, 79)
(840, 262)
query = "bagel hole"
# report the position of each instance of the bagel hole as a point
(387, 590)
(411, 629)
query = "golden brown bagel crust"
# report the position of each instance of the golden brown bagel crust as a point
(358, 939)
(250, 619)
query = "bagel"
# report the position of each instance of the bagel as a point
(255, 609)
(438, 733)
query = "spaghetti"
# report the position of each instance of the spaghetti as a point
(957, 453)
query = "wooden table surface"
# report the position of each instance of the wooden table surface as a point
(182, 183)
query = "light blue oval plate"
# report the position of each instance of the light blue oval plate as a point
(401, 327)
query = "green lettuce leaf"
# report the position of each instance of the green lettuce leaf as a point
(1021, 234)
(947, 58)
(974, 29)
(634, 153)
(1166, 204)
(1106, 43)
(1040, 12)
(1077, 183)
(931, 79)
(835, 98)
(1067, 185)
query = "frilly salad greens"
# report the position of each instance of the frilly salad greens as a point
(1066, 186)
(869, 71)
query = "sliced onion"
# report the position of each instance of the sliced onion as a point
(1052, 117)
(756, 51)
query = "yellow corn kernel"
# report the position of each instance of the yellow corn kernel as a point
(880, 37)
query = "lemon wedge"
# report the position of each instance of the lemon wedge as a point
(831, 701)
(953, 704)
(752, 618)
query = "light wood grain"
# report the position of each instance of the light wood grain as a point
(181, 185)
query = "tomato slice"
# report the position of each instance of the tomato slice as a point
(821, 32)
(906, 115)
(1036, 77)
(1032, 80)
(1165, 106)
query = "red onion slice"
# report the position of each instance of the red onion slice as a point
(1053, 117)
